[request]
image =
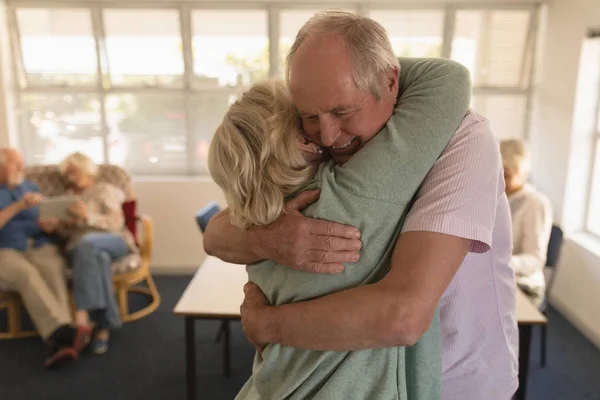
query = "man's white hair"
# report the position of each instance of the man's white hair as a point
(370, 49)
(81, 162)
(515, 156)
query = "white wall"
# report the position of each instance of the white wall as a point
(173, 203)
(560, 150)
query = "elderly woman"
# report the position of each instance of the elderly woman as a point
(94, 239)
(531, 220)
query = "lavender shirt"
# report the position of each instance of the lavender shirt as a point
(463, 195)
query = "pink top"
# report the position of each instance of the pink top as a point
(463, 195)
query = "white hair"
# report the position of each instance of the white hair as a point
(81, 162)
(515, 156)
(370, 49)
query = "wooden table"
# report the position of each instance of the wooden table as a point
(528, 316)
(215, 292)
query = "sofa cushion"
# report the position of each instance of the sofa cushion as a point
(52, 183)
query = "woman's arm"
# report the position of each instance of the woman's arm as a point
(537, 225)
(435, 95)
(109, 216)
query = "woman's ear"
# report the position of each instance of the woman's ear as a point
(310, 147)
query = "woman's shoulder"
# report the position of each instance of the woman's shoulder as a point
(106, 189)
(536, 199)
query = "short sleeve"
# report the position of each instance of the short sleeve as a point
(460, 194)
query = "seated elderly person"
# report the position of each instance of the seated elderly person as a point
(32, 266)
(94, 239)
(531, 220)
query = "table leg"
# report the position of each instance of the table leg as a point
(220, 332)
(524, 351)
(226, 348)
(190, 358)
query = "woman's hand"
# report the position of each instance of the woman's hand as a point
(254, 312)
(313, 154)
(79, 211)
(48, 225)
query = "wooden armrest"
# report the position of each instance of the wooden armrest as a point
(147, 235)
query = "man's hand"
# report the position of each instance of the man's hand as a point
(253, 311)
(308, 244)
(79, 211)
(48, 225)
(30, 200)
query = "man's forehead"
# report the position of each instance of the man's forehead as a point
(324, 95)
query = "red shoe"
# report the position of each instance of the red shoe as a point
(83, 335)
(62, 356)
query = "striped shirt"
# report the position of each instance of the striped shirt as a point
(463, 195)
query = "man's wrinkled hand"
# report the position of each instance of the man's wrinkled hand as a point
(254, 312)
(309, 244)
(30, 199)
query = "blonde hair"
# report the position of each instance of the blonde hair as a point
(371, 53)
(515, 155)
(254, 155)
(81, 162)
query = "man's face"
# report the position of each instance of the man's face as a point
(335, 114)
(13, 168)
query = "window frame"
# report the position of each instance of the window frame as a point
(594, 159)
(273, 9)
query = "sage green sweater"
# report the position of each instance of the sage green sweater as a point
(373, 192)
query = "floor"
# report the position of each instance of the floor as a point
(146, 361)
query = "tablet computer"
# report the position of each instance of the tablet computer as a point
(57, 207)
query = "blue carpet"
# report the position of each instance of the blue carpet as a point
(146, 361)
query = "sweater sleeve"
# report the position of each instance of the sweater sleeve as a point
(435, 96)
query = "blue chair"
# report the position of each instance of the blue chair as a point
(554, 247)
(205, 214)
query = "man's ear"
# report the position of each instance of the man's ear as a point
(392, 81)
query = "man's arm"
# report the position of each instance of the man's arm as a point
(292, 240)
(30, 199)
(458, 201)
(9, 212)
(393, 312)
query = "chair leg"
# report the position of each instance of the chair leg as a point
(123, 301)
(14, 317)
(544, 333)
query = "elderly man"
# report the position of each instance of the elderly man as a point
(454, 249)
(31, 266)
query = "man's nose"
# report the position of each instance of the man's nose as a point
(330, 131)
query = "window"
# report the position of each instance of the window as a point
(413, 33)
(57, 47)
(506, 113)
(55, 125)
(143, 48)
(492, 45)
(147, 87)
(290, 22)
(593, 219)
(230, 53)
